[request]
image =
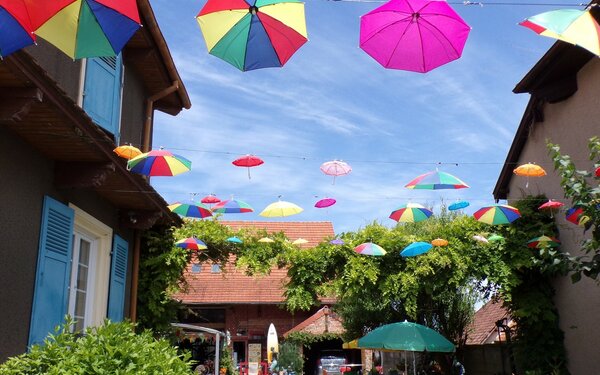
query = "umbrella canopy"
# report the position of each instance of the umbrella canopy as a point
(597, 172)
(414, 35)
(551, 206)
(281, 209)
(337, 241)
(543, 242)
(436, 181)
(91, 28)
(300, 241)
(159, 163)
(497, 214)
(569, 25)
(369, 248)
(248, 161)
(574, 214)
(325, 202)
(336, 168)
(529, 170)
(127, 151)
(406, 336)
(232, 206)
(480, 238)
(495, 237)
(410, 213)
(210, 199)
(190, 210)
(191, 243)
(234, 240)
(458, 205)
(266, 240)
(16, 30)
(253, 34)
(439, 242)
(416, 248)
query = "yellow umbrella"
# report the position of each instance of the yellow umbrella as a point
(280, 209)
(127, 151)
(300, 241)
(440, 242)
(266, 240)
(350, 345)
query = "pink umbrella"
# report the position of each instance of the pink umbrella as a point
(248, 161)
(551, 205)
(210, 199)
(335, 168)
(414, 35)
(325, 202)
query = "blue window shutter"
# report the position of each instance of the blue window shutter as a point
(102, 92)
(51, 294)
(118, 279)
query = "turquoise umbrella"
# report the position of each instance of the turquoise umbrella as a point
(406, 336)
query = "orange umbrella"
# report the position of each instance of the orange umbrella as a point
(440, 242)
(529, 170)
(127, 151)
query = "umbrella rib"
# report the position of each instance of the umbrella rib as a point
(442, 34)
(399, 39)
(386, 26)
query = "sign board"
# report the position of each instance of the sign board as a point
(254, 353)
(253, 368)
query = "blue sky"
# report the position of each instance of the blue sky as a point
(332, 101)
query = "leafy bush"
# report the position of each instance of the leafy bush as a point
(289, 357)
(113, 348)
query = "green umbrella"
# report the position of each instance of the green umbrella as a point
(406, 336)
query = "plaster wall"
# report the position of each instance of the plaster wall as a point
(570, 124)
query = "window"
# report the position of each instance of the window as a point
(196, 268)
(81, 289)
(215, 268)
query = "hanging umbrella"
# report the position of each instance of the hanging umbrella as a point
(406, 336)
(300, 241)
(325, 202)
(190, 210)
(369, 248)
(336, 168)
(337, 241)
(281, 209)
(480, 238)
(597, 172)
(232, 206)
(497, 214)
(159, 163)
(210, 199)
(458, 205)
(495, 237)
(436, 181)
(439, 242)
(413, 35)
(248, 161)
(529, 170)
(569, 25)
(416, 248)
(234, 240)
(92, 28)
(543, 242)
(410, 213)
(551, 206)
(16, 30)
(266, 240)
(574, 214)
(127, 151)
(253, 34)
(191, 243)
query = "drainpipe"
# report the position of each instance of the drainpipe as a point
(150, 113)
(135, 275)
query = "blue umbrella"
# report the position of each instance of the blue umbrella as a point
(416, 248)
(234, 240)
(458, 205)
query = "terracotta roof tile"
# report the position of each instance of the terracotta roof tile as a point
(320, 322)
(484, 322)
(233, 286)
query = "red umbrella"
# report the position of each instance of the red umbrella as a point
(248, 161)
(551, 206)
(598, 172)
(210, 199)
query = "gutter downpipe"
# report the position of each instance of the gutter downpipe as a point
(137, 242)
(148, 124)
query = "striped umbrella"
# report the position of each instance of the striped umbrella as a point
(159, 163)
(543, 242)
(436, 180)
(410, 213)
(497, 214)
(16, 30)
(191, 243)
(369, 248)
(232, 206)
(190, 210)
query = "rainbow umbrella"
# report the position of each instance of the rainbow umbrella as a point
(91, 28)
(16, 30)
(543, 242)
(410, 213)
(574, 214)
(436, 181)
(497, 214)
(458, 205)
(253, 34)
(369, 248)
(569, 25)
(416, 248)
(190, 210)
(232, 206)
(281, 209)
(191, 243)
(159, 163)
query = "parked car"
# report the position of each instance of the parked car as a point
(330, 361)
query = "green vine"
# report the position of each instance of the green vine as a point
(307, 339)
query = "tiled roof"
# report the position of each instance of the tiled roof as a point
(484, 322)
(233, 286)
(320, 322)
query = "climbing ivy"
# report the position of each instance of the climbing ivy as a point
(307, 339)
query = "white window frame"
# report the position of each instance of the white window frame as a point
(79, 235)
(94, 228)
